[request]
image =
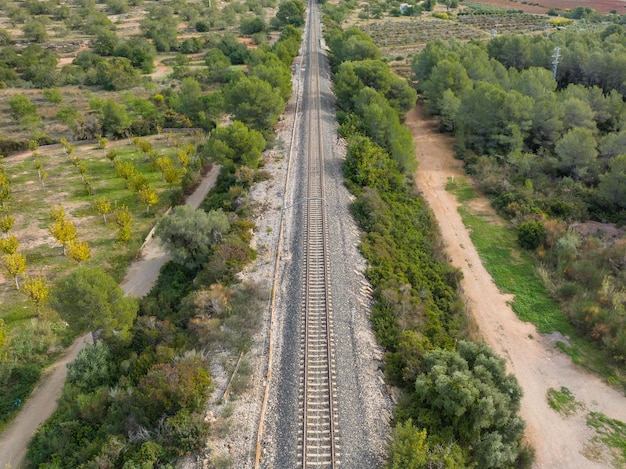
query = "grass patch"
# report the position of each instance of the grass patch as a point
(563, 401)
(512, 270)
(611, 433)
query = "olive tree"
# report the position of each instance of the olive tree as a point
(468, 392)
(189, 233)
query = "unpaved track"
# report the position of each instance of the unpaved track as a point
(140, 277)
(559, 442)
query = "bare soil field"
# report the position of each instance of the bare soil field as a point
(601, 6)
(564, 442)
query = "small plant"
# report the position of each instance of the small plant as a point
(612, 433)
(223, 461)
(563, 401)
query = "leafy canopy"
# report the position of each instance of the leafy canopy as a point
(89, 299)
(188, 234)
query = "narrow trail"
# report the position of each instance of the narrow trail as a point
(140, 277)
(561, 442)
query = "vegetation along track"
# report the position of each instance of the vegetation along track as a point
(317, 441)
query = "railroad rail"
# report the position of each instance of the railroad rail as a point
(318, 440)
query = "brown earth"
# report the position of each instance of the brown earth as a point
(541, 6)
(563, 442)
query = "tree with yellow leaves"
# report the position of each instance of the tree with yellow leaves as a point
(63, 230)
(37, 290)
(6, 223)
(78, 251)
(9, 245)
(148, 197)
(103, 207)
(14, 265)
(123, 220)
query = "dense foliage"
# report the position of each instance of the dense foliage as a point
(550, 151)
(417, 314)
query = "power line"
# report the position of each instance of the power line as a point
(555, 61)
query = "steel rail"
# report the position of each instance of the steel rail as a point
(319, 447)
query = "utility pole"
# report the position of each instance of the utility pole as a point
(555, 61)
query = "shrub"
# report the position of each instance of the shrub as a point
(531, 234)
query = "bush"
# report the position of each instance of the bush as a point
(568, 290)
(531, 234)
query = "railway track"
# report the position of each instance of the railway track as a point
(318, 438)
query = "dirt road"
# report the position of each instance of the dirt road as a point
(537, 364)
(140, 277)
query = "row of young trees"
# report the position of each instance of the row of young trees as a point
(552, 153)
(459, 407)
(136, 398)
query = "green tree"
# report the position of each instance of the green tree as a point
(291, 12)
(410, 448)
(276, 74)
(114, 120)
(235, 145)
(21, 107)
(218, 65)
(115, 74)
(89, 299)
(188, 234)
(448, 107)
(577, 152)
(612, 144)
(367, 164)
(468, 392)
(254, 102)
(352, 44)
(250, 26)
(612, 187)
(35, 30)
(446, 75)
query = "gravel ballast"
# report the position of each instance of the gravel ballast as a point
(364, 407)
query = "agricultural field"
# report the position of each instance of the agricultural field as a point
(399, 38)
(542, 6)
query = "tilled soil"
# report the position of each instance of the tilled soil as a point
(563, 442)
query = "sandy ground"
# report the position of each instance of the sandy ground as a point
(140, 277)
(559, 442)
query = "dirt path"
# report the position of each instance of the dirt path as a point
(537, 364)
(140, 277)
